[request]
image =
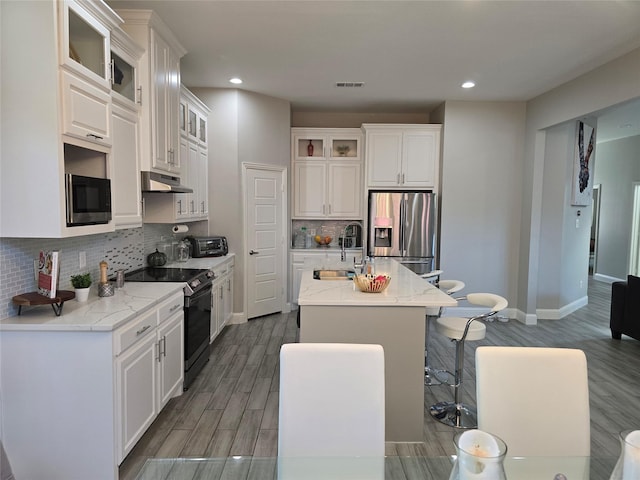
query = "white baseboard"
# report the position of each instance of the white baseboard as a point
(238, 318)
(607, 279)
(557, 314)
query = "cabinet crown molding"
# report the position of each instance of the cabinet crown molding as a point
(151, 19)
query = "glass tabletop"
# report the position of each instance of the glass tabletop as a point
(362, 468)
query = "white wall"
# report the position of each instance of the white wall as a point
(613, 83)
(481, 192)
(242, 127)
(564, 246)
(617, 167)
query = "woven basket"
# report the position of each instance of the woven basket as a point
(372, 283)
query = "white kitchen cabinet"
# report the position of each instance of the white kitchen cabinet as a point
(78, 394)
(125, 185)
(137, 384)
(86, 110)
(160, 89)
(149, 369)
(170, 358)
(311, 259)
(228, 295)
(402, 156)
(328, 183)
(222, 297)
(194, 159)
(68, 104)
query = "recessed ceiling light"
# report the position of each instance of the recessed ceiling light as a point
(236, 80)
(468, 84)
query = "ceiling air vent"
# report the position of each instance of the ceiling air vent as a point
(349, 84)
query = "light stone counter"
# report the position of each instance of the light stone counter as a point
(405, 289)
(99, 314)
(331, 311)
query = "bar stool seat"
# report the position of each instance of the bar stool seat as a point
(457, 414)
(453, 327)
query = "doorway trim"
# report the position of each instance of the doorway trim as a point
(595, 218)
(634, 247)
(246, 166)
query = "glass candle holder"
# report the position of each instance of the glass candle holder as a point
(628, 465)
(480, 456)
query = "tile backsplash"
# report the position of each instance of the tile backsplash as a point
(123, 249)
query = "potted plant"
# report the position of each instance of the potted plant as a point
(81, 284)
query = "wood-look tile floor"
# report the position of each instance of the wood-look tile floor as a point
(232, 407)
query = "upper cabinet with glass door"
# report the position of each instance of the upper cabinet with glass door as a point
(125, 54)
(327, 144)
(86, 39)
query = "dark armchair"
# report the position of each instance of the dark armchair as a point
(625, 308)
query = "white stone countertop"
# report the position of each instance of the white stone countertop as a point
(98, 313)
(405, 289)
(106, 313)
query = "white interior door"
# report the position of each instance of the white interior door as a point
(265, 210)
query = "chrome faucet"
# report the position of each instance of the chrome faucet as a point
(343, 253)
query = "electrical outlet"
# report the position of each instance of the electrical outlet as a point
(581, 284)
(82, 259)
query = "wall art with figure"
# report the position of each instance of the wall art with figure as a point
(583, 165)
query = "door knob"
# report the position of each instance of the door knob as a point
(253, 252)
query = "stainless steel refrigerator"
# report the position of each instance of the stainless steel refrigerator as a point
(403, 224)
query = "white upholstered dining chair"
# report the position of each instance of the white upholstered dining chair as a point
(332, 400)
(536, 399)
(331, 404)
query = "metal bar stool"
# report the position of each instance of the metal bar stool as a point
(430, 374)
(458, 329)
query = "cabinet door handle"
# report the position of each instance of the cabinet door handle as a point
(97, 137)
(202, 206)
(329, 209)
(175, 307)
(113, 73)
(143, 329)
(403, 178)
(193, 207)
(253, 252)
(139, 96)
(163, 349)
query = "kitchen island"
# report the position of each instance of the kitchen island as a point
(336, 311)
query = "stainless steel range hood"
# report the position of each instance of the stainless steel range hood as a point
(157, 182)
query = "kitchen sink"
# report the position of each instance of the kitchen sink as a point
(340, 274)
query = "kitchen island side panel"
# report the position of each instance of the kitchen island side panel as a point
(401, 332)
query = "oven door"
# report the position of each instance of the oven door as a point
(197, 325)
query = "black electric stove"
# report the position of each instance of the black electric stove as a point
(195, 278)
(197, 311)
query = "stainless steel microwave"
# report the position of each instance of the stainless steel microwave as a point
(88, 200)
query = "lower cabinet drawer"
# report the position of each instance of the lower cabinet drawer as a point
(136, 330)
(170, 306)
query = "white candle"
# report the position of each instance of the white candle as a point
(631, 465)
(479, 456)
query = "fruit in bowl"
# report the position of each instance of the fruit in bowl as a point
(320, 240)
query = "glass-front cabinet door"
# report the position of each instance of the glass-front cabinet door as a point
(123, 77)
(86, 43)
(202, 130)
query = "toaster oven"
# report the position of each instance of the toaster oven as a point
(208, 246)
